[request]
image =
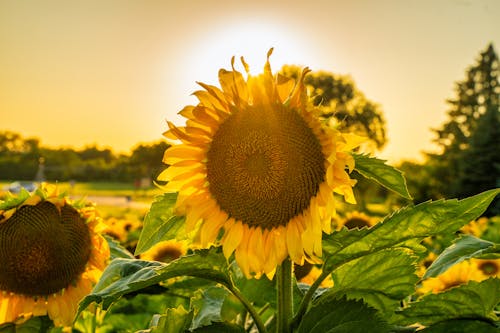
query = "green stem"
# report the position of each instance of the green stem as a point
(285, 301)
(304, 304)
(256, 318)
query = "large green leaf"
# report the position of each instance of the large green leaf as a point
(116, 250)
(405, 228)
(382, 279)
(124, 276)
(220, 327)
(475, 300)
(464, 248)
(386, 175)
(175, 320)
(207, 305)
(160, 223)
(329, 314)
(461, 326)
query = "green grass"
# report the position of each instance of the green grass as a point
(105, 189)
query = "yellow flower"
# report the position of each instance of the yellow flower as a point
(121, 228)
(356, 219)
(458, 274)
(51, 254)
(489, 267)
(425, 263)
(165, 251)
(476, 227)
(255, 170)
(313, 275)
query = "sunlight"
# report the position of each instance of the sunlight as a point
(250, 39)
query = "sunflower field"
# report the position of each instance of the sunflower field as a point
(251, 234)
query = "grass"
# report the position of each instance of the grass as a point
(105, 189)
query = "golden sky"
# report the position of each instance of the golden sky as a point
(110, 72)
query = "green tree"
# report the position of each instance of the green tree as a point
(462, 135)
(339, 100)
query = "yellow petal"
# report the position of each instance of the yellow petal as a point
(232, 239)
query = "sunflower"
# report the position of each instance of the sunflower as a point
(476, 227)
(165, 251)
(356, 219)
(489, 267)
(255, 170)
(456, 275)
(425, 263)
(51, 254)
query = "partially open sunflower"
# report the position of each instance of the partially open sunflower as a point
(51, 254)
(255, 170)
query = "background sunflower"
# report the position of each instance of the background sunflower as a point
(51, 254)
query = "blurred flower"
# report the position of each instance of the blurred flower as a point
(476, 227)
(51, 254)
(356, 219)
(255, 170)
(120, 228)
(313, 275)
(489, 267)
(456, 275)
(425, 263)
(165, 251)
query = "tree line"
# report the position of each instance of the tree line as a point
(22, 158)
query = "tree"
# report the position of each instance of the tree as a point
(470, 131)
(339, 100)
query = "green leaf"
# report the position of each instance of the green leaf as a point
(220, 327)
(475, 300)
(461, 326)
(382, 279)
(116, 250)
(12, 201)
(405, 228)
(464, 248)
(333, 315)
(124, 276)
(175, 320)
(160, 223)
(207, 304)
(386, 175)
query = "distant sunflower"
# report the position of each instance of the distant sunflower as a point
(456, 275)
(165, 251)
(356, 219)
(476, 227)
(489, 267)
(256, 170)
(51, 254)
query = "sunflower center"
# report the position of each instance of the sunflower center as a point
(42, 249)
(264, 165)
(489, 268)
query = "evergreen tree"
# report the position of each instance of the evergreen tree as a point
(462, 137)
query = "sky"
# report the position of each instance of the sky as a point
(110, 73)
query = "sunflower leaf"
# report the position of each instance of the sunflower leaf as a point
(116, 250)
(382, 279)
(331, 314)
(386, 175)
(463, 248)
(160, 223)
(475, 300)
(175, 320)
(461, 325)
(208, 304)
(405, 228)
(12, 201)
(124, 276)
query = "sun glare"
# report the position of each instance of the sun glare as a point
(250, 39)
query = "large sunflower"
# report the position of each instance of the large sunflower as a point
(50, 255)
(256, 170)
(456, 275)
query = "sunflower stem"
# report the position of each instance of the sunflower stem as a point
(255, 316)
(285, 302)
(304, 304)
